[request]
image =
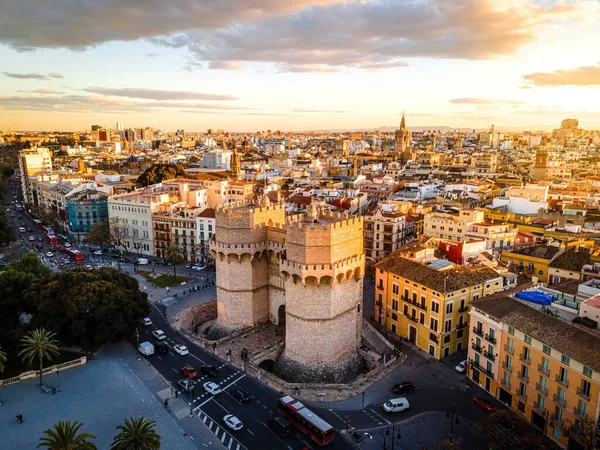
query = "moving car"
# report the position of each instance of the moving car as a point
(40, 239)
(189, 372)
(146, 348)
(396, 405)
(401, 388)
(142, 261)
(162, 347)
(159, 334)
(181, 349)
(39, 245)
(32, 238)
(29, 230)
(67, 245)
(146, 321)
(241, 395)
(212, 388)
(49, 254)
(462, 366)
(233, 422)
(22, 230)
(210, 370)
(484, 404)
(280, 425)
(185, 384)
(198, 267)
(98, 252)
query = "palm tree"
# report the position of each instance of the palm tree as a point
(2, 360)
(38, 344)
(174, 255)
(66, 436)
(137, 434)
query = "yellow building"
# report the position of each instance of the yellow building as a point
(427, 302)
(531, 260)
(538, 365)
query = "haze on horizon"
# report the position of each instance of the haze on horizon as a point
(298, 65)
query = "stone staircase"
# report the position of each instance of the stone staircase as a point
(373, 340)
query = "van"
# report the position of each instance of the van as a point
(146, 348)
(396, 405)
(281, 426)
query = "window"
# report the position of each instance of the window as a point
(446, 339)
(528, 339)
(566, 360)
(588, 372)
(406, 296)
(433, 324)
(564, 375)
(547, 350)
(489, 367)
(395, 304)
(584, 390)
(511, 330)
(395, 289)
(449, 308)
(510, 345)
(448, 326)
(405, 310)
(435, 307)
(394, 316)
(422, 319)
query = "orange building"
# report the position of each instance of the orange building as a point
(540, 366)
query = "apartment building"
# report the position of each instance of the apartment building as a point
(531, 260)
(451, 224)
(428, 301)
(37, 161)
(384, 231)
(497, 236)
(540, 366)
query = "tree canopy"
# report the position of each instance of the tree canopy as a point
(99, 233)
(159, 173)
(88, 307)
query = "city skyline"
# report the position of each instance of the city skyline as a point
(300, 66)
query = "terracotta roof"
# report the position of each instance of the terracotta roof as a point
(208, 212)
(573, 342)
(572, 259)
(300, 199)
(567, 287)
(538, 251)
(442, 281)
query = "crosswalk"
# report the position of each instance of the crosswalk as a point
(221, 434)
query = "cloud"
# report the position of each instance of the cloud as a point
(157, 94)
(43, 91)
(55, 75)
(375, 35)
(579, 76)
(26, 76)
(79, 24)
(482, 101)
(319, 111)
(152, 54)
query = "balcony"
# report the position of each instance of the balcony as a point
(460, 326)
(556, 420)
(478, 331)
(541, 389)
(584, 395)
(489, 338)
(544, 370)
(507, 367)
(561, 401)
(433, 337)
(476, 348)
(579, 413)
(413, 318)
(509, 350)
(423, 306)
(463, 309)
(482, 369)
(489, 356)
(522, 396)
(562, 381)
(525, 358)
(539, 407)
(506, 384)
(524, 378)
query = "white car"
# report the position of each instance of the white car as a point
(142, 261)
(146, 321)
(197, 267)
(462, 366)
(67, 245)
(159, 334)
(212, 388)
(181, 349)
(32, 238)
(49, 254)
(233, 422)
(97, 252)
(22, 230)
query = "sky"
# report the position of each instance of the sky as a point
(294, 65)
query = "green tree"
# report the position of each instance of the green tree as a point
(38, 345)
(2, 360)
(159, 173)
(6, 231)
(137, 434)
(88, 307)
(174, 255)
(66, 436)
(99, 233)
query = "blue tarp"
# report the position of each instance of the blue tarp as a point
(535, 297)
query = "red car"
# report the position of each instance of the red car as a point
(484, 404)
(189, 372)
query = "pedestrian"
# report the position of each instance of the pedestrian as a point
(166, 402)
(176, 394)
(214, 346)
(167, 288)
(19, 418)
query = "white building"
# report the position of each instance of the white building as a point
(216, 159)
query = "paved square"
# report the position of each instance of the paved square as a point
(102, 394)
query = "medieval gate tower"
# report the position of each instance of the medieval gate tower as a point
(312, 266)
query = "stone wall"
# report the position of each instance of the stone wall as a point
(191, 318)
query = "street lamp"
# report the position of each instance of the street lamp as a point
(191, 390)
(452, 415)
(58, 379)
(394, 436)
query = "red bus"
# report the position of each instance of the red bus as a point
(306, 420)
(75, 254)
(52, 240)
(38, 223)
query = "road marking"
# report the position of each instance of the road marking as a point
(381, 417)
(194, 356)
(233, 382)
(223, 437)
(230, 444)
(250, 431)
(159, 357)
(174, 370)
(222, 407)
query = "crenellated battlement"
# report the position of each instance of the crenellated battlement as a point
(240, 209)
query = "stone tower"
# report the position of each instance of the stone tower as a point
(323, 270)
(234, 165)
(240, 248)
(541, 157)
(402, 138)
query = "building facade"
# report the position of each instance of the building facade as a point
(85, 209)
(384, 232)
(451, 225)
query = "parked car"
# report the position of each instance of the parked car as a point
(212, 388)
(188, 265)
(146, 321)
(159, 334)
(40, 239)
(189, 372)
(396, 405)
(198, 267)
(185, 384)
(39, 245)
(49, 254)
(32, 238)
(484, 404)
(233, 422)
(142, 261)
(22, 229)
(241, 395)
(181, 349)
(461, 367)
(98, 252)
(401, 388)
(67, 245)
(210, 370)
